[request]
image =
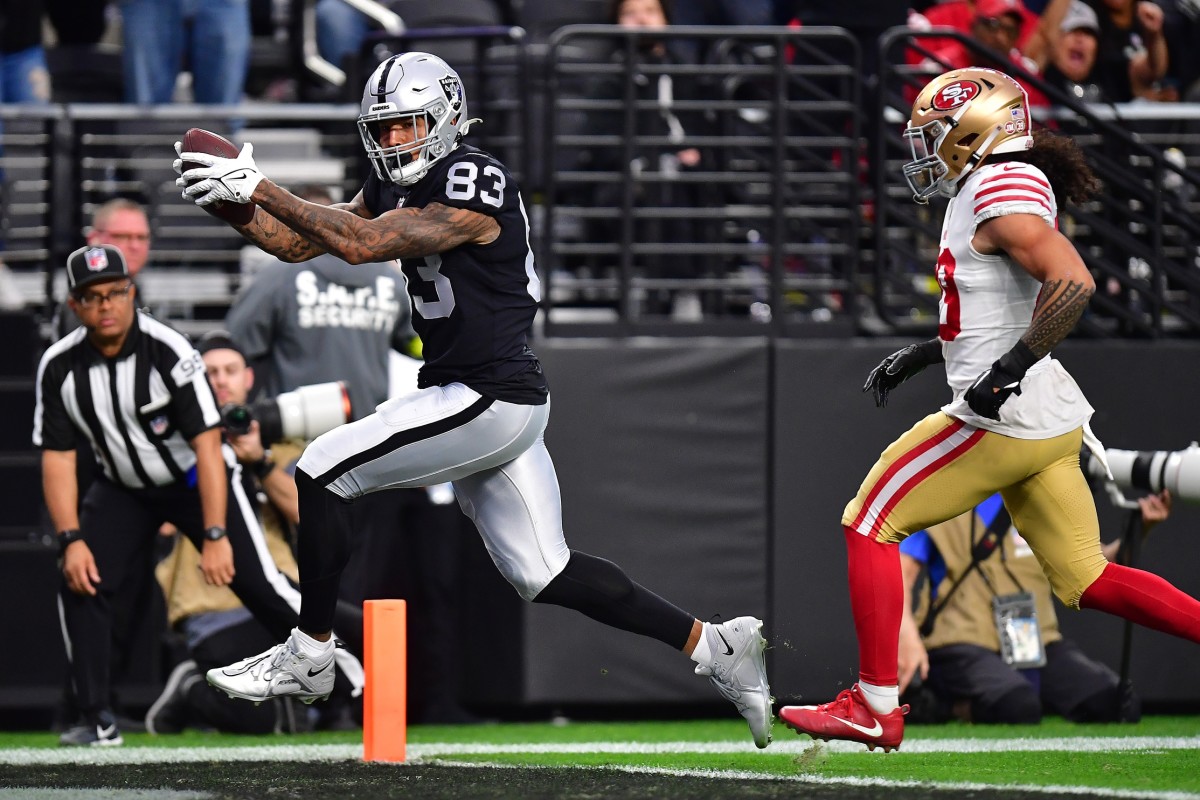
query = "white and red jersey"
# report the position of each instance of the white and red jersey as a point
(987, 304)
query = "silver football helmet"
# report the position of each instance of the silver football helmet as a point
(416, 86)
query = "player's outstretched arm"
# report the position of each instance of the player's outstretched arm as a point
(217, 179)
(274, 236)
(402, 233)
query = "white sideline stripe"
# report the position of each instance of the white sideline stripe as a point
(344, 752)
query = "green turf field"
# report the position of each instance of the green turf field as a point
(1157, 758)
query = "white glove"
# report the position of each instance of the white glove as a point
(230, 179)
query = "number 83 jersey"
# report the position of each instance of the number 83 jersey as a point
(473, 305)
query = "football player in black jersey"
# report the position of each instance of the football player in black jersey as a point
(453, 215)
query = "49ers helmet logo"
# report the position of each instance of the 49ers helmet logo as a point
(953, 95)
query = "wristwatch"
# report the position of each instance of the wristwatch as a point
(65, 538)
(262, 468)
(215, 533)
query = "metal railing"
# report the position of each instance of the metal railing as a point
(61, 162)
(761, 227)
(1140, 238)
(781, 226)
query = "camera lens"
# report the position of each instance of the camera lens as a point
(236, 419)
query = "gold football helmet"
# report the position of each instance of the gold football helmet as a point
(960, 118)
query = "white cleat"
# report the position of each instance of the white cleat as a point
(739, 672)
(279, 672)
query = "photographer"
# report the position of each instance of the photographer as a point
(976, 576)
(215, 626)
(232, 379)
(135, 390)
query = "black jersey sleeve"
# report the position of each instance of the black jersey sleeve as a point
(181, 370)
(195, 404)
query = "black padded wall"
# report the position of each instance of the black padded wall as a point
(660, 447)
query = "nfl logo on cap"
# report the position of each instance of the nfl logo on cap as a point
(96, 259)
(93, 264)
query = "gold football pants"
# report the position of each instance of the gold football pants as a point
(943, 467)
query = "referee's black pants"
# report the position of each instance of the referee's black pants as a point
(119, 525)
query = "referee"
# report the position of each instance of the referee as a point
(136, 390)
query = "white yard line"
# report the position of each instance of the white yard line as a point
(446, 754)
(797, 745)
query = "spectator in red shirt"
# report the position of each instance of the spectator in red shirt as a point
(998, 25)
(960, 15)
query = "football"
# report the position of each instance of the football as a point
(198, 140)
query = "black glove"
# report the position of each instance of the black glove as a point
(1001, 381)
(900, 366)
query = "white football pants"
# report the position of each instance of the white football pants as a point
(494, 454)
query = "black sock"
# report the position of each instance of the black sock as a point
(322, 550)
(601, 590)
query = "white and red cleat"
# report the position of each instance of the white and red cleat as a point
(848, 717)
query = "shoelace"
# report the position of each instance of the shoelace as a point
(270, 662)
(842, 703)
(729, 691)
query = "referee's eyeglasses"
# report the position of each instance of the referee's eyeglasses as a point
(96, 299)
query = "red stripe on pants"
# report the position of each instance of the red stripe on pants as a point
(972, 440)
(900, 463)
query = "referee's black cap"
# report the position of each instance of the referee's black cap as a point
(219, 340)
(94, 263)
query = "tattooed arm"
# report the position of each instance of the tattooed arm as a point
(274, 236)
(1048, 256)
(306, 229)
(1051, 258)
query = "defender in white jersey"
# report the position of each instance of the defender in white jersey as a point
(987, 303)
(1012, 288)
(454, 217)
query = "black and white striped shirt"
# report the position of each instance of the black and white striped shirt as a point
(140, 408)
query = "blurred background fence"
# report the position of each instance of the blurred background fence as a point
(793, 220)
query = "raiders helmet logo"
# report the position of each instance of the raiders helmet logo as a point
(452, 86)
(953, 95)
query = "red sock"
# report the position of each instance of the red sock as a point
(1146, 599)
(877, 602)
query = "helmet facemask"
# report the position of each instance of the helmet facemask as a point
(925, 171)
(959, 119)
(422, 92)
(407, 163)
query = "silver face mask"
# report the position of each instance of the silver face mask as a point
(415, 89)
(925, 172)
